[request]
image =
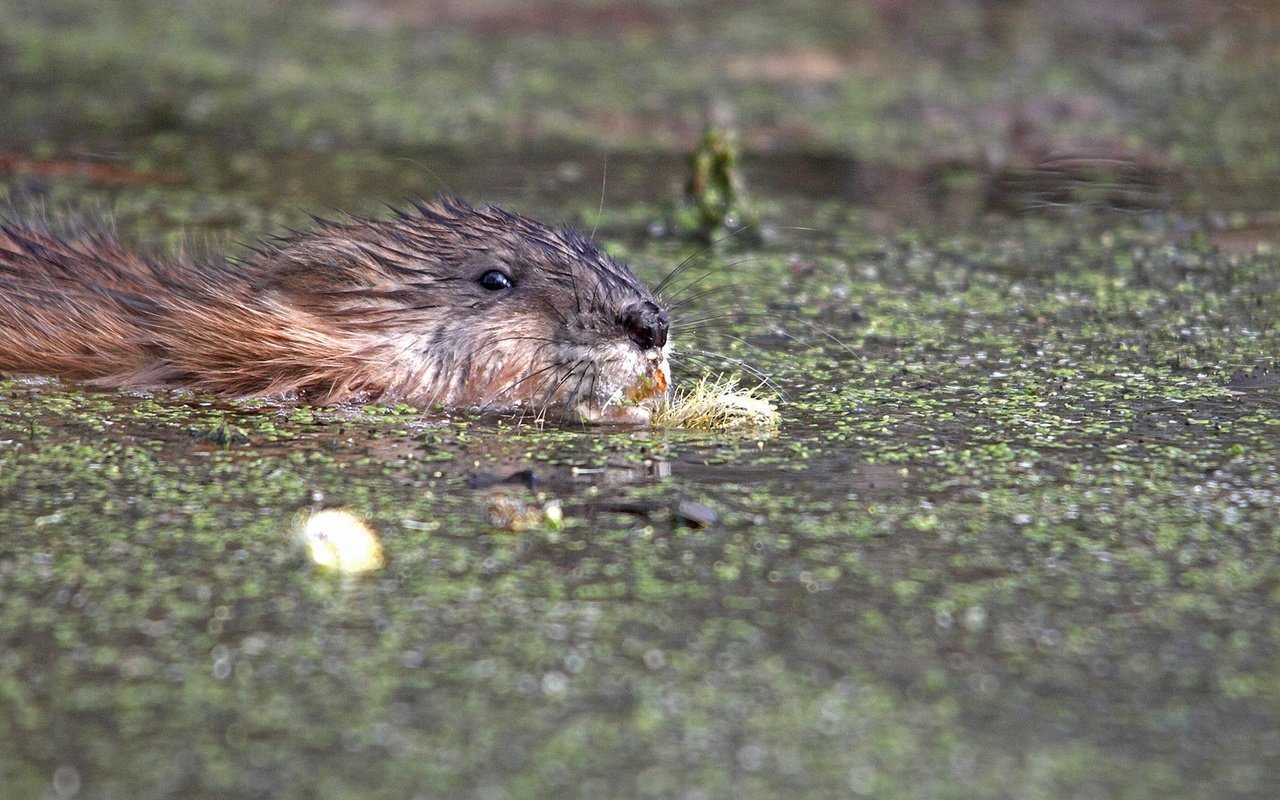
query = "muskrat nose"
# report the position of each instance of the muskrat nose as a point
(647, 325)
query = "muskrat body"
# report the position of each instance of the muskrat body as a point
(442, 305)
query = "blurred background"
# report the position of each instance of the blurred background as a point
(927, 109)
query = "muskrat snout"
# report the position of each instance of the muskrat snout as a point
(647, 325)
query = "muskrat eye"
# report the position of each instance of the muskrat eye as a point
(495, 280)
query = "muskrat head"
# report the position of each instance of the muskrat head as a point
(480, 308)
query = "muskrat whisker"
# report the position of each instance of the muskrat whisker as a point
(706, 357)
(604, 183)
(666, 281)
(689, 286)
(574, 368)
(711, 360)
(542, 405)
(704, 293)
(703, 250)
(497, 396)
(695, 323)
(742, 341)
(676, 301)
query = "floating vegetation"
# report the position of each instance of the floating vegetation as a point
(714, 201)
(224, 434)
(718, 404)
(516, 515)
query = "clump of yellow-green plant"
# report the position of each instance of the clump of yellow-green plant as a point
(717, 404)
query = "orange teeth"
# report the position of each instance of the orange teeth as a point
(651, 385)
(659, 381)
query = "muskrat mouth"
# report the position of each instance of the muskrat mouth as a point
(651, 386)
(635, 404)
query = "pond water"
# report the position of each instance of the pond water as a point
(1016, 297)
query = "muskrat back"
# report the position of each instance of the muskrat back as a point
(441, 305)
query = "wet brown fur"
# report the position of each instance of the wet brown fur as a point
(370, 309)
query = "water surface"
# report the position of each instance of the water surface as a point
(1016, 535)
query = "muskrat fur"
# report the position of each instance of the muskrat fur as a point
(442, 305)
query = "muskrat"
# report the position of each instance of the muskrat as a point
(442, 305)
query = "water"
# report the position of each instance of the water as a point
(1015, 536)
